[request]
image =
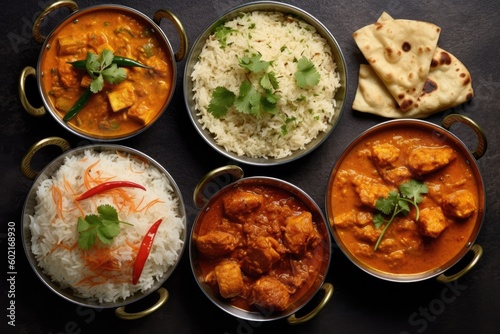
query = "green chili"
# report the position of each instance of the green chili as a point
(82, 101)
(120, 61)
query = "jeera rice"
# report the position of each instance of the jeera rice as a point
(104, 272)
(303, 113)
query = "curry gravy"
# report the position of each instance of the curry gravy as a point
(138, 100)
(409, 246)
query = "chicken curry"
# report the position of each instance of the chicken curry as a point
(431, 233)
(118, 109)
(260, 248)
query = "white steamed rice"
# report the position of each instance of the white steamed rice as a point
(55, 236)
(282, 40)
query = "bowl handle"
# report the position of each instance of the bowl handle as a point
(209, 184)
(478, 252)
(37, 35)
(165, 13)
(481, 137)
(328, 288)
(26, 168)
(122, 314)
(25, 73)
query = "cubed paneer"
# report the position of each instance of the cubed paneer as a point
(70, 45)
(86, 81)
(432, 222)
(140, 112)
(122, 97)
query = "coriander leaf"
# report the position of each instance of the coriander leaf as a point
(110, 230)
(222, 99)
(268, 103)
(114, 74)
(306, 75)
(86, 240)
(269, 82)
(221, 33)
(248, 100)
(107, 212)
(254, 64)
(398, 203)
(97, 84)
(103, 237)
(414, 189)
(105, 58)
(378, 220)
(104, 226)
(92, 63)
(82, 225)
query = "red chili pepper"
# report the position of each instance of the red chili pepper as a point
(142, 255)
(106, 186)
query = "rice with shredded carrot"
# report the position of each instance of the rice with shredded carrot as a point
(104, 272)
(303, 113)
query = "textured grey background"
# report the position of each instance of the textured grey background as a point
(361, 303)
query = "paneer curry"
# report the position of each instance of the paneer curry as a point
(118, 109)
(261, 248)
(379, 164)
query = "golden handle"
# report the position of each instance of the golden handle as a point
(200, 197)
(165, 13)
(481, 137)
(328, 288)
(122, 314)
(37, 35)
(25, 73)
(26, 169)
(478, 252)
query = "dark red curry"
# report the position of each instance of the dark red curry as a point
(260, 248)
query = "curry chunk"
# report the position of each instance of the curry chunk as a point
(385, 154)
(229, 278)
(240, 202)
(397, 175)
(261, 254)
(70, 45)
(216, 243)
(140, 112)
(460, 204)
(424, 160)
(268, 292)
(432, 222)
(122, 96)
(299, 232)
(370, 190)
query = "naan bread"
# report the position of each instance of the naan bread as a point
(448, 84)
(400, 52)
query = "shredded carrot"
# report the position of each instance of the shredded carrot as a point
(57, 198)
(150, 204)
(87, 177)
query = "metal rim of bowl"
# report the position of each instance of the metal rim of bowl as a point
(28, 209)
(327, 243)
(74, 15)
(340, 95)
(448, 137)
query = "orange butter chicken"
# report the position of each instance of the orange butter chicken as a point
(118, 109)
(259, 248)
(381, 163)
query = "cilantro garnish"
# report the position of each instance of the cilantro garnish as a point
(306, 75)
(101, 68)
(221, 33)
(222, 99)
(398, 202)
(104, 225)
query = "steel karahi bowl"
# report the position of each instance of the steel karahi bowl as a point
(224, 181)
(294, 12)
(438, 136)
(29, 209)
(101, 131)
